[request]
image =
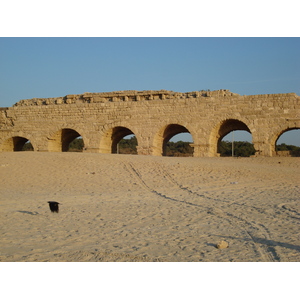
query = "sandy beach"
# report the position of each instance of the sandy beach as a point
(148, 209)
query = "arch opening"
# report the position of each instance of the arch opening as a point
(288, 143)
(61, 140)
(17, 143)
(77, 145)
(127, 145)
(21, 144)
(27, 146)
(123, 141)
(115, 138)
(176, 140)
(235, 139)
(179, 145)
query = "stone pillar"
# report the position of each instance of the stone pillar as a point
(40, 144)
(201, 150)
(143, 147)
(143, 150)
(262, 148)
(91, 143)
(41, 150)
(91, 150)
(7, 145)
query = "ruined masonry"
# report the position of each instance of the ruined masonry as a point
(103, 119)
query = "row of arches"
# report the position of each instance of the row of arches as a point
(63, 140)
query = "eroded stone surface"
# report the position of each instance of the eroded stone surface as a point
(102, 119)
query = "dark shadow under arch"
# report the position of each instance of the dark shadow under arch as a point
(67, 136)
(111, 138)
(170, 131)
(118, 133)
(61, 140)
(17, 143)
(228, 126)
(287, 147)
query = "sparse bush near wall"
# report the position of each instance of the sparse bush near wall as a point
(290, 150)
(243, 149)
(128, 146)
(27, 147)
(76, 145)
(179, 148)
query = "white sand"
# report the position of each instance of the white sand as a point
(143, 208)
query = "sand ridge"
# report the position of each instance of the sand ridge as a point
(144, 208)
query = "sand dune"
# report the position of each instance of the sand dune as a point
(143, 208)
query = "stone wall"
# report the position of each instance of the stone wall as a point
(102, 119)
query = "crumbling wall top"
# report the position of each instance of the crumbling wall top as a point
(132, 95)
(117, 96)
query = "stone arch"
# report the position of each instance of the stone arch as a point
(277, 135)
(60, 140)
(164, 135)
(221, 130)
(111, 138)
(14, 143)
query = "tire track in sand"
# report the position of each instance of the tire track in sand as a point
(135, 173)
(241, 223)
(267, 252)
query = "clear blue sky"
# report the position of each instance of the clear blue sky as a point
(53, 67)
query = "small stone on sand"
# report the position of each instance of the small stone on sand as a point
(222, 245)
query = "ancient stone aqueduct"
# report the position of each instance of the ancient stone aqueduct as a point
(103, 119)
